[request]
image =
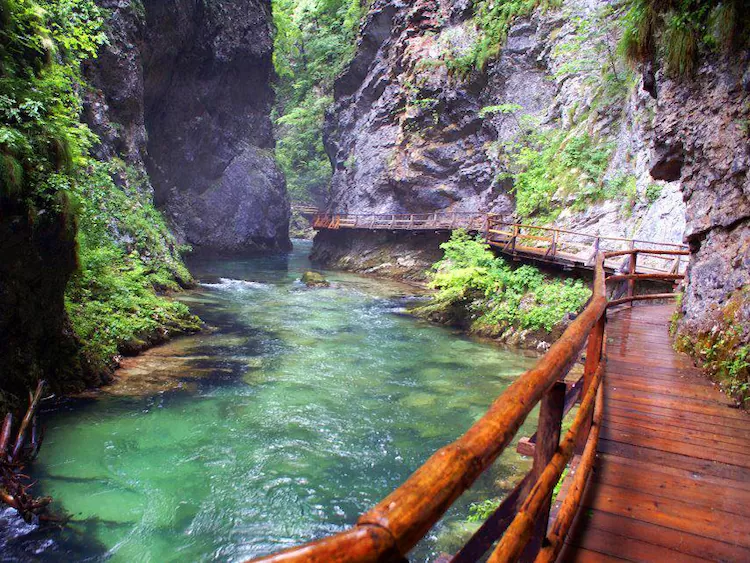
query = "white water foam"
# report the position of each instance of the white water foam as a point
(229, 284)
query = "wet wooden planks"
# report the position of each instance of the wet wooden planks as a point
(672, 481)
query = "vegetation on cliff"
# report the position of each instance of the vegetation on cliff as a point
(492, 21)
(677, 30)
(477, 288)
(722, 351)
(314, 41)
(544, 163)
(112, 299)
(125, 252)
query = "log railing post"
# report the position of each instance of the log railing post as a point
(548, 439)
(513, 241)
(592, 260)
(676, 267)
(487, 229)
(631, 270)
(553, 248)
(593, 358)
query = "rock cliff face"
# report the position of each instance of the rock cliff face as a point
(410, 134)
(704, 141)
(38, 258)
(183, 91)
(404, 136)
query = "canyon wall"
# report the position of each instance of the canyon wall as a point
(38, 258)
(703, 140)
(410, 132)
(180, 97)
(183, 91)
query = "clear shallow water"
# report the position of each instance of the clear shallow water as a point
(301, 410)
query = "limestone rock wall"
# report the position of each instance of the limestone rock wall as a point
(407, 134)
(183, 91)
(703, 130)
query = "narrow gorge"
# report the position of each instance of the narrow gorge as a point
(374, 280)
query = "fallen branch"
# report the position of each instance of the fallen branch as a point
(14, 484)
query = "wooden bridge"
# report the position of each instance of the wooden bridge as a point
(560, 247)
(659, 459)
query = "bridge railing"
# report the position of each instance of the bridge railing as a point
(401, 221)
(393, 527)
(550, 244)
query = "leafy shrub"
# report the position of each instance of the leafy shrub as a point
(41, 47)
(480, 511)
(496, 295)
(653, 192)
(543, 162)
(677, 30)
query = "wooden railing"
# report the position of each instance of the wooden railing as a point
(555, 244)
(393, 527)
(308, 210)
(546, 244)
(472, 221)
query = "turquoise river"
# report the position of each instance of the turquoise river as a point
(297, 411)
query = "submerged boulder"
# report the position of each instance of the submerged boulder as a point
(314, 279)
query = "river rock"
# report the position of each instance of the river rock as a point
(314, 279)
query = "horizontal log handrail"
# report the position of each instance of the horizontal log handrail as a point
(655, 277)
(632, 251)
(389, 530)
(542, 243)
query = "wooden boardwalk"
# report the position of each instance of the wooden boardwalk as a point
(672, 480)
(659, 457)
(570, 250)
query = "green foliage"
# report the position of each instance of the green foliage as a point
(498, 296)
(623, 187)
(653, 192)
(723, 351)
(480, 511)
(590, 53)
(492, 19)
(314, 41)
(111, 299)
(558, 486)
(505, 109)
(300, 152)
(678, 29)
(543, 162)
(41, 46)
(124, 248)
